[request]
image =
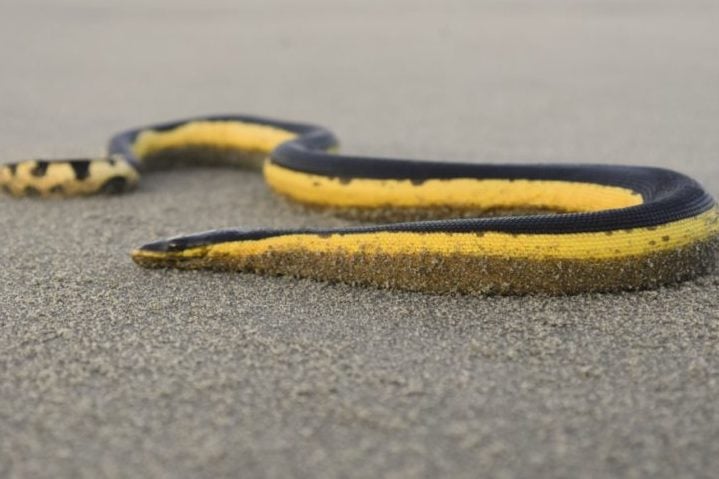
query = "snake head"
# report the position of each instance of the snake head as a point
(200, 250)
(175, 252)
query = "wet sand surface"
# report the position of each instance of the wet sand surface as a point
(110, 370)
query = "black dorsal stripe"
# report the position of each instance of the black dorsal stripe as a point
(81, 168)
(667, 195)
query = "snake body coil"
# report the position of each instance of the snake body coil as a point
(618, 227)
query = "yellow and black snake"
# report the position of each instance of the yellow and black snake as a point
(565, 229)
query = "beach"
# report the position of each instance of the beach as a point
(111, 370)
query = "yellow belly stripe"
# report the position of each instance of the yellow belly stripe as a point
(459, 193)
(320, 190)
(577, 246)
(214, 134)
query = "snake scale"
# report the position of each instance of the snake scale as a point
(436, 227)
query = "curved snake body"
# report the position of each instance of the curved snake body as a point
(599, 227)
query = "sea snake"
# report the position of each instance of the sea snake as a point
(436, 226)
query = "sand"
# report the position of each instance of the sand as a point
(110, 370)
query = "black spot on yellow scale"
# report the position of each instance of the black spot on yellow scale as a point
(345, 180)
(609, 233)
(417, 182)
(653, 243)
(12, 168)
(665, 238)
(31, 191)
(57, 189)
(81, 169)
(114, 185)
(40, 169)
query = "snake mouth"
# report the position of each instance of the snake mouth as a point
(170, 253)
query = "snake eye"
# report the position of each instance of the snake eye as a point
(175, 245)
(165, 246)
